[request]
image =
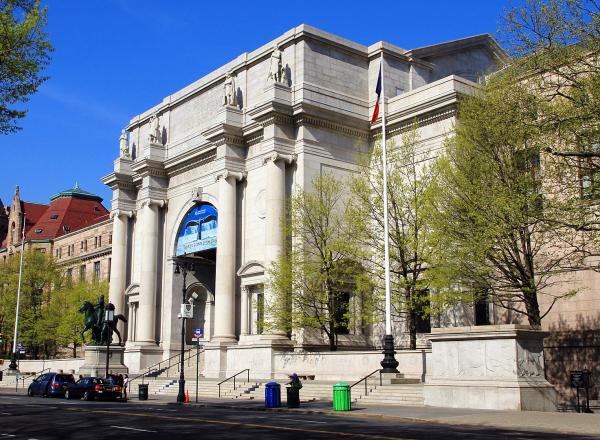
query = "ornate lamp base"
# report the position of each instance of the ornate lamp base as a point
(389, 363)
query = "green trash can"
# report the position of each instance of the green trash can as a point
(341, 397)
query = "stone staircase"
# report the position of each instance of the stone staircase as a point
(8, 382)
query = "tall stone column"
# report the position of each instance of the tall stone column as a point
(274, 241)
(244, 312)
(118, 265)
(147, 305)
(225, 270)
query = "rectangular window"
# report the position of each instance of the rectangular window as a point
(100, 240)
(68, 251)
(95, 242)
(69, 275)
(82, 273)
(109, 263)
(81, 246)
(110, 239)
(85, 245)
(96, 271)
(589, 179)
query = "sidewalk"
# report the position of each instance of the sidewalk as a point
(574, 423)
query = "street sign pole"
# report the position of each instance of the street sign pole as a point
(197, 367)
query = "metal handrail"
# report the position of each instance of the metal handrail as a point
(157, 365)
(27, 377)
(233, 377)
(365, 379)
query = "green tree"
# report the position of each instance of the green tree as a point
(498, 212)
(24, 54)
(40, 275)
(409, 180)
(556, 73)
(317, 284)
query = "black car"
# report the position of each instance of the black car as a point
(90, 388)
(50, 384)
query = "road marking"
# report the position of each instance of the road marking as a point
(7, 435)
(131, 429)
(244, 424)
(301, 420)
(6, 414)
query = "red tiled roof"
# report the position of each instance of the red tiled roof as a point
(33, 213)
(72, 214)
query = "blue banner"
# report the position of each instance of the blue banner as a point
(198, 231)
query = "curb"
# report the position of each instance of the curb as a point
(355, 413)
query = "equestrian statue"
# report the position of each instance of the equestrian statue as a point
(93, 319)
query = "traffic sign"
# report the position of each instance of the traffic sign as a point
(198, 333)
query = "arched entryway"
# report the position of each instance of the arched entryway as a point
(204, 312)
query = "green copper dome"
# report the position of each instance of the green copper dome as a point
(78, 193)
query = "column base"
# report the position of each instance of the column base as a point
(215, 358)
(139, 356)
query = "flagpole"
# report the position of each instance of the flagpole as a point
(13, 358)
(389, 362)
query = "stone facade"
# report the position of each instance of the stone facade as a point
(85, 254)
(302, 108)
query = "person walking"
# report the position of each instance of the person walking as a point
(125, 385)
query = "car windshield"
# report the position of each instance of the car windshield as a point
(64, 378)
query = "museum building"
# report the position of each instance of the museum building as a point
(203, 177)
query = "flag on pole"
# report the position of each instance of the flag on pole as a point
(378, 91)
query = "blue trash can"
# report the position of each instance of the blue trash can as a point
(272, 395)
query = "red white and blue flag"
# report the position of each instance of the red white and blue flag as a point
(378, 91)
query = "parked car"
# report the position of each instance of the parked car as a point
(90, 388)
(50, 384)
(114, 383)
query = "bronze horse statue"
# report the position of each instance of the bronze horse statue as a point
(94, 320)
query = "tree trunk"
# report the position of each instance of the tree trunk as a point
(74, 349)
(412, 330)
(532, 307)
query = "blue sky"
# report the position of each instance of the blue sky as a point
(116, 58)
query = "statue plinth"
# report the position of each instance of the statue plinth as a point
(95, 361)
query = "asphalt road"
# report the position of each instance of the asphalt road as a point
(40, 418)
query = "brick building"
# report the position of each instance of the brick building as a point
(74, 228)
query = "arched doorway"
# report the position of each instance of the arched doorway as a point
(195, 247)
(204, 312)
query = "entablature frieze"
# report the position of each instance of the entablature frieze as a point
(328, 124)
(396, 127)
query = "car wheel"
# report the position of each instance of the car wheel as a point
(29, 392)
(86, 396)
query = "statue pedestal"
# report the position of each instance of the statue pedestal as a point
(488, 367)
(95, 361)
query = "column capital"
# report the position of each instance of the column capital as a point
(275, 156)
(121, 213)
(161, 203)
(225, 174)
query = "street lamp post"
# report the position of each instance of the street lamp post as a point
(182, 268)
(109, 316)
(13, 358)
